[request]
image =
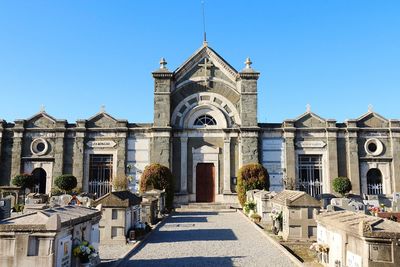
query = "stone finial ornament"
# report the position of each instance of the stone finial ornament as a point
(42, 109)
(248, 63)
(308, 108)
(102, 109)
(163, 63)
(370, 108)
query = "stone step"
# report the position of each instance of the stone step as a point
(207, 206)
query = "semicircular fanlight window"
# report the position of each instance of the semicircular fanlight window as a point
(205, 120)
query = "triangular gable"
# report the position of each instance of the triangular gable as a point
(305, 200)
(309, 120)
(102, 120)
(41, 120)
(372, 120)
(197, 58)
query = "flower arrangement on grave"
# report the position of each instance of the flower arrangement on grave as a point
(85, 252)
(249, 206)
(276, 215)
(322, 248)
(374, 210)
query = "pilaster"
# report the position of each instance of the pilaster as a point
(162, 99)
(78, 154)
(121, 155)
(160, 151)
(248, 95)
(353, 166)
(249, 146)
(289, 150)
(227, 165)
(395, 144)
(332, 154)
(17, 148)
(1, 140)
(58, 155)
(184, 142)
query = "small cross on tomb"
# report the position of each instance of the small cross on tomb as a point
(206, 65)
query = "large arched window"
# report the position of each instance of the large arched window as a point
(374, 182)
(205, 120)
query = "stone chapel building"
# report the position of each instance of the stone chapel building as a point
(205, 127)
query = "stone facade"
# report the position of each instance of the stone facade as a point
(205, 124)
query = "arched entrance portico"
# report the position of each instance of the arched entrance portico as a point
(40, 176)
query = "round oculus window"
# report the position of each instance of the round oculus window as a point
(373, 147)
(39, 147)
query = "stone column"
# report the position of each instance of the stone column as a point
(353, 167)
(289, 152)
(227, 165)
(58, 155)
(332, 155)
(17, 148)
(184, 158)
(78, 155)
(395, 142)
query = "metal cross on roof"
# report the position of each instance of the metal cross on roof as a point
(206, 65)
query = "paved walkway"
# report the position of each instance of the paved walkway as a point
(207, 239)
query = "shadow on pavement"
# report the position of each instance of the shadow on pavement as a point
(187, 261)
(194, 213)
(192, 235)
(186, 219)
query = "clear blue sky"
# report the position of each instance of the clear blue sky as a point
(75, 55)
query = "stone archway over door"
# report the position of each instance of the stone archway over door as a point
(40, 177)
(205, 182)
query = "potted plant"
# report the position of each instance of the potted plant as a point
(85, 252)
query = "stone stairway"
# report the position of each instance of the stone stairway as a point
(213, 206)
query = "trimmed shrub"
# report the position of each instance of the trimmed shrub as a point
(251, 176)
(66, 182)
(24, 181)
(157, 176)
(341, 185)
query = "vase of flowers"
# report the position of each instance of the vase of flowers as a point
(85, 252)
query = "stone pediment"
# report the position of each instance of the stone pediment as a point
(102, 120)
(205, 150)
(191, 69)
(41, 120)
(372, 120)
(310, 120)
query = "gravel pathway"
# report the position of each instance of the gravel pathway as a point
(207, 239)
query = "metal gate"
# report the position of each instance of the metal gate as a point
(310, 174)
(100, 174)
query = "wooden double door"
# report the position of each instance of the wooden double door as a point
(205, 182)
